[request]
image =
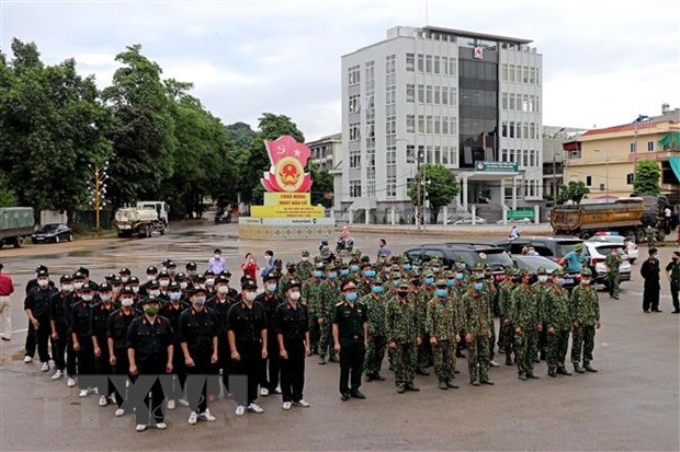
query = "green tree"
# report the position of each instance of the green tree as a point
(647, 177)
(440, 186)
(7, 196)
(322, 186)
(143, 130)
(575, 192)
(240, 134)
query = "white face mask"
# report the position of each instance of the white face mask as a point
(87, 297)
(542, 278)
(250, 296)
(164, 282)
(559, 281)
(43, 283)
(78, 285)
(223, 289)
(124, 279)
(295, 296)
(127, 302)
(218, 256)
(586, 282)
(183, 285)
(305, 259)
(105, 297)
(154, 293)
(67, 287)
(209, 282)
(135, 289)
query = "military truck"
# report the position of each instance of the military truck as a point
(143, 220)
(16, 224)
(627, 216)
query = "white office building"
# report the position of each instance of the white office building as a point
(468, 101)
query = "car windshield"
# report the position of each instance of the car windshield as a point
(48, 228)
(566, 246)
(607, 249)
(496, 258)
(533, 262)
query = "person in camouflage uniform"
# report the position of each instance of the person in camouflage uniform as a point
(505, 336)
(393, 282)
(368, 273)
(402, 335)
(441, 325)
(586, 318)
(290, 275)
(304, 268)
(329, 296)
(527, 321)
(650, 234)
(422, 296)
(460, 288)
(477, 323)
(540, 288)
(613, 276)
(436, 267)
(491, 292)
(310, 298)
(557, 322)
(375, 303)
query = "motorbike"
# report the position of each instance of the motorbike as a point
(344, 244)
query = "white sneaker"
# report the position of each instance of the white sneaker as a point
(302, 402)
(93, 390)
(193, 418)
(103, 401)
(206, 416)
(161, 426)
(57, 375)
(240, 410)
(287, 405)
(119, 412)
(112, 399)
(493, 363)
(45, 367)
(277, 390)
(83, 393)
(171, 404)
(28, 359)
(264, 392)
(255, 408)
(183, 403)
(70, 382)
(140, 427)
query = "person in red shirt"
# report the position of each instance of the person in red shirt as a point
(6, 289)
(250, 267)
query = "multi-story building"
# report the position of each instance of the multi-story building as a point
(605, 159)
(440, 96)
(554, 157)
(326, 152)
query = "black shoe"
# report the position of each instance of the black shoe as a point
(8, 339)
(460, 355)
(456, 371)
(487, 382)
(344, 396)
(677, 311)
(537, 360)
(357, 394)
(532, 376)
(378, 377)
(657, 310)
(563, 371)
(370, 378)
(508, 360)
(552, 373)
(411, 387)
(422, 372)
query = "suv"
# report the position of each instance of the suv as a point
(554, 248)
(497, 259)
(598, 253)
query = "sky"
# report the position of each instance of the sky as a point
(604, 61)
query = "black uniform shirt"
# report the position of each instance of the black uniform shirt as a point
(172, 313)
(350, 320)
(117, 326)
(60, 309)
(39, 302)
(81, 319)
(198, 329)
(100, 316)
(247, 323)
(220, 309)
(269, 303)
(150, 341)
(650, 271)
(291, 323)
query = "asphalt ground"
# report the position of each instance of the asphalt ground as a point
(630, 404)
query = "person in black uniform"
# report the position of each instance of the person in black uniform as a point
(81, 335)
(220, 305)
(30, 332)
(270, 300)
(350, 335)
(37, 306)
(60, 319)
(132, 284)
(172, 311)
(116, 330)
(101, 310)
(247, 333)
(673, 275)
(292, 334)
(650, 272)
(150, 353)
(198, 337)
(151, 273)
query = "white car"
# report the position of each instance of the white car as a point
(630, 249)
(461, 218)
(598, 252)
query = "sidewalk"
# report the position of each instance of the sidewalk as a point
(460, 229)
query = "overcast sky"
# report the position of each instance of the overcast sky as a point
(604, 61)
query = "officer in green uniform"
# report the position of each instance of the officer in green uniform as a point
(442, 326)
(557, 323)
(375, 303)
(329, 295)
(310, 298)
(477, 323)
(650, 234)
(421, 298)
(304, 267)
(505, 336)
(586, 318)
(613, 276)
(401, 331)
(368, 273)
(524, 316)
(540, 288)
(291, 273)
(350, 336)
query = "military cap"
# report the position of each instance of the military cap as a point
(404, 285)
(290, 264)
(278, 262)
(41, 267)
(558, 272)
(524, 272)
(435, 261)
(440, 283)
(85, 271)
(459, 260)
(478, 266)
(174, 286)
(428, 273)
(330, 267)
(291, 283)
(349, 285)
(180, 276)
(338, 261)
(344, 265)
(163, 274)
(170, 264)
(125, 271)
(133, 280)
(153, 285)
(248, 284)
(209, 273)
(78, 275)
(197, 290)
(191, 265)
(377, 281)
(404, 260)
(105, 287)
(151, 270)
(477, 277)
(541, 271)
(586, 272)
(305, 253)
(200, 277)
(166, 262)
(365, 259)
(271, 276)
(65, 279)
(449, 274)
(221, 279)
(320, 266)
(117, 280)
(110, 277)
(127, 292)
(87, 287)
(146, 300)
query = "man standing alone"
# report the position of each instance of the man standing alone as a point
(650, 272)
(672, 272)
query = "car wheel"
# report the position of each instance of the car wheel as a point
(70, 237)
(56, 239)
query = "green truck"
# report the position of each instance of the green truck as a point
(16, 223)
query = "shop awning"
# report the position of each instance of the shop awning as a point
(671, 140)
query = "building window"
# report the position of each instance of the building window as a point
(370, 76)
(519, 130)
(354, 103)
(630, 178)
(525, 158)
(421, 62)
(410, 123)
(355, 131)
(504, 155)
(421, 124)
(437, 124)
(354, 75)
(410, 62)
(504, 129)
(410, 93)
(421, 94)
(532, 131)
(512, 73)
(452, 94)
(504, 72)
(445, 65)
(437, 95)
(436, 65)
(428, 124)
(437, 154)
(632, 147)
(428, 96)
(445, 125)
(452, 66)
(445, 155)
(410, 153)
(512, 129)
(589, 181)
(504, 101)
(454, 126)
(525, 72)
(355, 189)
(355, 159)
(532, 75)
(525, 130)
(518, 76)
(512, 101)
(650, 146)
(391, 125)
(445, 95)
(428, 64)
(428, 155)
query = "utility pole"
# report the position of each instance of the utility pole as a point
(554, 190)
(98, 188)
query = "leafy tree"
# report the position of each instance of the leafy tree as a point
(440, 185)
(647, 177)
(7, 196)
(240, 134)
(322, 186)
(575, 192)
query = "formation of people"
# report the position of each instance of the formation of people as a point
(179, 327)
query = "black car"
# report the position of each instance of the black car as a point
(472, 253)
(223, 217)
(554, 248)
(533, 262)
(53, 233)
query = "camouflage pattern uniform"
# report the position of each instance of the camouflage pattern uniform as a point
(442, 326)
(375, 351)
(505, 336)
(540, 289)
(304, 267)
(310, 296)
(491, 292)
(586, 316)
(422, 297)
(525, 317)
(329, 296)
(613, 277)
(650, 233)
(288, 276)
(401, 329)
(557, 321)
(478, 329)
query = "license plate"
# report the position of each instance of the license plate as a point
(39, 239)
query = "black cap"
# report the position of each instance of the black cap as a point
(163, 274)
(78, 275)
(170, 264)
(191, 265)
(180, 276)
(291, 284)
(127, 292)
(166, 262)
(117, 281)
(221, 279)
(153, 285)
(104, 287)
(174, 286)
(43, 272)
(226, 274)
(146, 300)
(248, 284)
(84, 271)
(109, 277)
(270, 276)
(199, 277)
(125, 271)
(133, 280)
(151, 269)
(197, 290)
(87, 287)
(41, 267)
(65, 278)
(209, 273)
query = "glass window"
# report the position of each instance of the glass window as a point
(428, 154)
(428, 64)
(519, 130)
(445, 65)
(512, 101)
(421, 124)
(589, 181)
(445, 125)
(504, 129)
(410, 154)
(437, 95)
(452, 66)
(518, 76)
(512, 73)
(421, 94)
(504, 72)
(630, 178)
(454, 126)
(504, 101)
(445, 155)
(532, 131)
(428, 124)
(355, 189)
(410, 62)
(525, 72)
(437, 122)
(452, 96)
(437, 155)
(512, 129)
(428, 96)
(650, 146)
(354, 75)
(532, 75)
(410, 93)
(436, 65)
(525, 130)
(445, 95)
(421, 62)
(410, 123)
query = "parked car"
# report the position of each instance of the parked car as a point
(554, 248)
(461, 218)
(497, 259)
(533, 262)
(598, 253)
(53, 232)
(607, 237)
(223, 217)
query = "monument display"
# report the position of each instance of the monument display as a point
(287, 212)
